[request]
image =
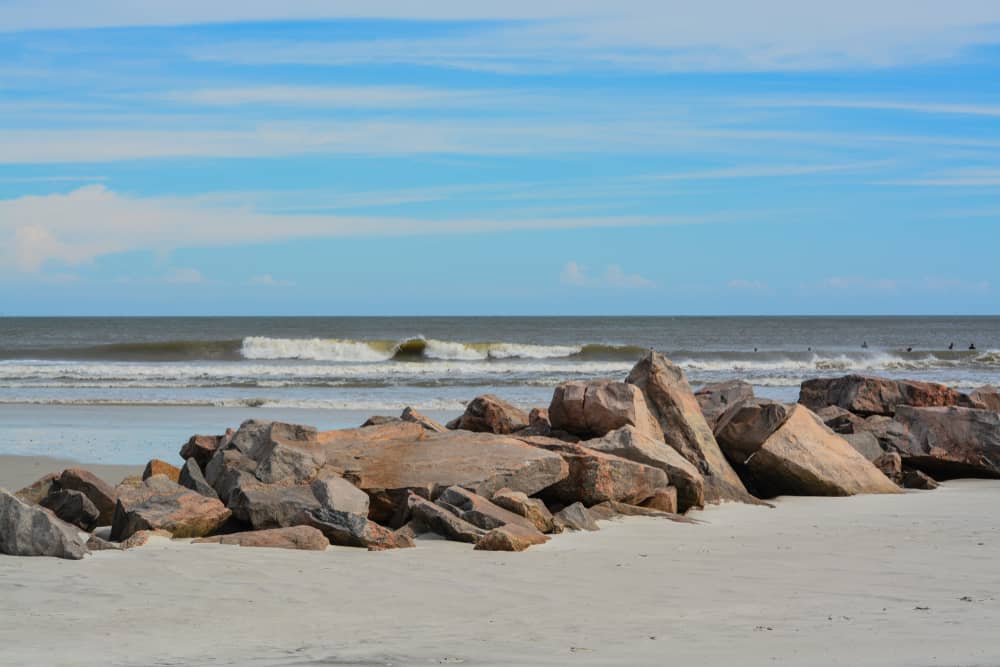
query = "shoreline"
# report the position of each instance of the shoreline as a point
(754, 586)
(17, 472)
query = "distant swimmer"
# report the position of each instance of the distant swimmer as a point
(755, 349)
(864, 345)
(951, 346)
(972, 346)
(909, 349)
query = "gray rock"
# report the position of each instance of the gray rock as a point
(951, 442)
(715, 399)
(72, 507)
(439, 520)
(479, 511)
(102, 494)
(192, 478)
(490, 414)
(336, 493)
(271, 506)
(576, 517)
(30, 530)
(866, 444)
(747, 425)
(532, 509)
(355, 530)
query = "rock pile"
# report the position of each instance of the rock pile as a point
(504, 479)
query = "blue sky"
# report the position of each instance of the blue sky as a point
(525, 158)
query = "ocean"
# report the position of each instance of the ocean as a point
(161, 379)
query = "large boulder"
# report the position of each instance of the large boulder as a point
(355, 530)
(439, 520)
(336, 493)
(840, 420)
(594, 408)
(490, 414)
(253, 435)
(99, 492)
(745, 426)
(866, 444)
(479, 511)
(715, 399)
(30, 530)
(951, 442)
(158, 467)
(892, 435)
(228, 469)
(201, 448)
(683, 425)
(629, 443)
(303, 538)
(271, 505)
(867, 395)
(510, 538)
(166, 505)
(595, 476)
(532, 509)
(192, 478)
(804, 457)
(988, 397)
(411, 415)
(72, 507)
(575, 517)
(389, 462)
(34, 493)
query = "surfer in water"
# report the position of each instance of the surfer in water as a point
(909, 349)
(972, 346)
(864, 345)
(951, 346)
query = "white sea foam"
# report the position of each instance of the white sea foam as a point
(316, 349)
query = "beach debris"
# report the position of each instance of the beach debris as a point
(490, 414)
(684, 428)
(304, 538)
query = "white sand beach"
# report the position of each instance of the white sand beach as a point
(869, 580)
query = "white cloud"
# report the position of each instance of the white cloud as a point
(856, 282)
(614, 276)
(267, 280)
(955, 178)
(92, 221)
(879, 105)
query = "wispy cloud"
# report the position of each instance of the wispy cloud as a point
(574, 275)
(339, 97)
(938, 108)
(93, 221)
(955, 178)
(184, 276)
(267, 280)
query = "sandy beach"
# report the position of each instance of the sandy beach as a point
(868, 580)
